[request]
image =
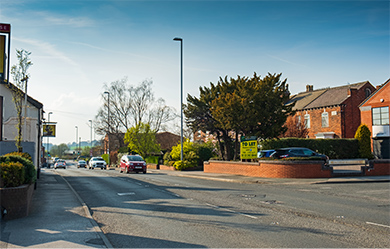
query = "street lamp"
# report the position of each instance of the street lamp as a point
(77, 135)
(108, 120)
(181, 94)
(91, 132)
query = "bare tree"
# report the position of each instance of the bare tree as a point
(130, 106)
(20, 74)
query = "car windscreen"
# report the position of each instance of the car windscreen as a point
(135, 158)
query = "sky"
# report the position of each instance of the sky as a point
(77, 46)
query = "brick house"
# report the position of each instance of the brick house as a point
(374, 113)
(331, 112)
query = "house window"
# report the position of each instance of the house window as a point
(380, 116)
(307, 121)
(368, 92)
(325, 119)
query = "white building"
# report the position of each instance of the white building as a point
(31, 132)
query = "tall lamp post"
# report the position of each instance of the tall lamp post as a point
(181, 94)
(77, 135)
(108, 120)
(25, 107)
(91, 132)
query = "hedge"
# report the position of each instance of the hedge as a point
(333, 148)
(11, 174)
(29, 169)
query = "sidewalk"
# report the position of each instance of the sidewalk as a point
(58, 219)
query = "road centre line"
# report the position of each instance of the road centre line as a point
(376, 224)
(232, 211)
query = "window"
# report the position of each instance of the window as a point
(368, 92)
(307, 121)
(380, 116)
(325, 119)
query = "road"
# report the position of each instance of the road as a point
(166, 211)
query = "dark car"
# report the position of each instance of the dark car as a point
(265, 153)
(133, 163)
(298, 152)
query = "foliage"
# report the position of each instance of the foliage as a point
(59, 150)
(333, 148)
(205, 151)
(152, 159)
(190, 157)
(142, 140)
(11, 174)
(363, 136)
(129, 106)
(105, 158)
(247, 106)
(22, 154)
(20, 74)
(29, 169)
(295, 128)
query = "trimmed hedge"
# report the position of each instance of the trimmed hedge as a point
(11, 174)
(29, 169)
(333, 148)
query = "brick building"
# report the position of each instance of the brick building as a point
(331, 112)
(375, 114)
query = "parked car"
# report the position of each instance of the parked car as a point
(298, 152)
(81, 164)
(264, 153)
(60, 164)
(133, 163)
(97, 162)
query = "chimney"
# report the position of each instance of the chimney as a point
(309, 88)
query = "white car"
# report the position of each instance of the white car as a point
(97, 162)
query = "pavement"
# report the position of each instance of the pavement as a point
(59, 218)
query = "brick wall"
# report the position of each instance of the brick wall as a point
(270, 169)
(378, 168)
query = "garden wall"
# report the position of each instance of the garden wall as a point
(378, 167)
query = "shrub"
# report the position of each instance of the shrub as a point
(11, 174)
(152, 159)
(204, 151)
(190, 158)
(363, 136)
(22, 154)
(105, 157)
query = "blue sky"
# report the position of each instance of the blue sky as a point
(78, 45)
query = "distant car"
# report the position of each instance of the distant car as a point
(60, 164)
(97, 162)
(298, 152)
(81, 164)
(133, 163)
(264, 153)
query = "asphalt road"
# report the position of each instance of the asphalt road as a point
(165, 211)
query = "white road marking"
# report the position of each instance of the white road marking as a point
(376, 224)
(129, 193)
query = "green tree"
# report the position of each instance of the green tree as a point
(142, 140)
(20, 75)
(363, 135)
(58, 150)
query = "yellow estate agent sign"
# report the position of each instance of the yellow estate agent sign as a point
(249, 149)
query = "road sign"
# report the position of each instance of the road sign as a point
(249, 149)
(5, 28)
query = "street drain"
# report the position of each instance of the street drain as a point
(96, 241)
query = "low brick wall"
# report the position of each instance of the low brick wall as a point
(16, 201)
(378, 167)
(271, 169)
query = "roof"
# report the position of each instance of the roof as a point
(374, 93)
(324, 97)
(32, 101)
